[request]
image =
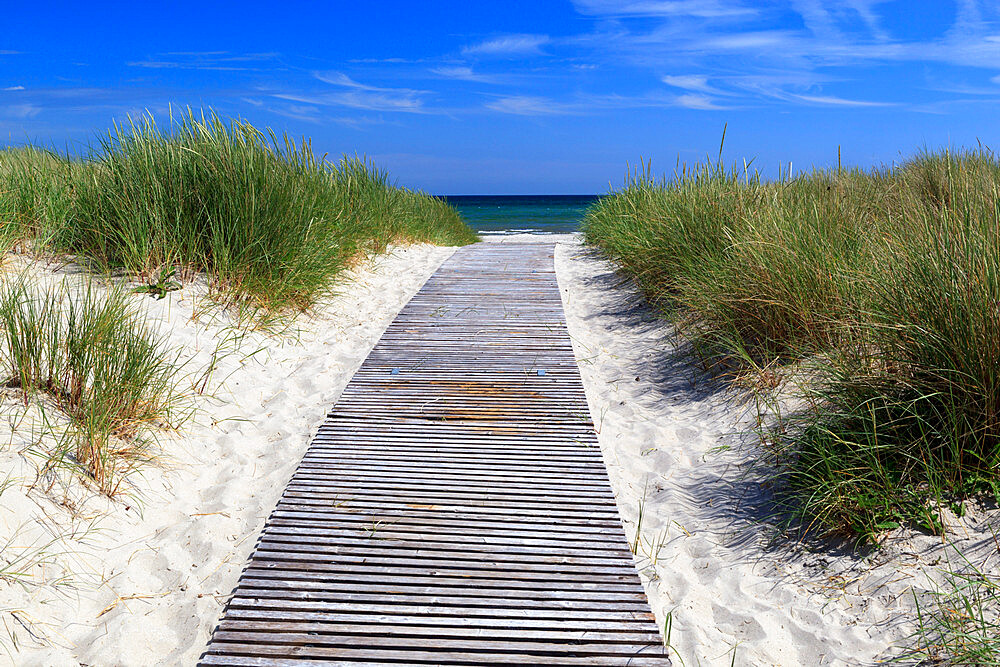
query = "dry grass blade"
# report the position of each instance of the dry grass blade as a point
(879, 287)
(272, 224)
(91, 352)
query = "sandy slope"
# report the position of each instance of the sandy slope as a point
(147, 577)
(709, 552)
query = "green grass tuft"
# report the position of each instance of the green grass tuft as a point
(270, 223)
(93, 355)
(960, 622)
(880, 287)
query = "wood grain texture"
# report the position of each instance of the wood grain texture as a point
(453, 509)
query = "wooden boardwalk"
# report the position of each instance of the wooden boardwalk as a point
(454, 508)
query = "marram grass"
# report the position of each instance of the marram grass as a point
(960, 623)
(880, 288)
(269, 222)
(91, 353)
(271, 225)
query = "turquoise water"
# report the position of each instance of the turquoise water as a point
(512, 214)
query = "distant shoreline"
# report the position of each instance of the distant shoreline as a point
(512, 214)
(519, 196)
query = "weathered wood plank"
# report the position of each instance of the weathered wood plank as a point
(358, 582)
(474, 624)
(454, 508)
(332, 644)
(619, 636)
(473, 572)
(375, 528)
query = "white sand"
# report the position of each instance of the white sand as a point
(146, 578)
(530, 238)
(709, 555)
(143, 581)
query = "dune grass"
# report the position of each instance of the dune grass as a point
(269, 222)
(879, 289)
(35, 194)
(92, 354)
(961, 625)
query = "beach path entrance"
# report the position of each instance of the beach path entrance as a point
(453, 508)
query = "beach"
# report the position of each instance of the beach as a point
(595, 332)
(712, 553)
(142, 579)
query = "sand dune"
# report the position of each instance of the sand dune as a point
(711, 554)
(143, 581)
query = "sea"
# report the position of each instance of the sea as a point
(522, 214)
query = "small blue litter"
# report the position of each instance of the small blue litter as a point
(395, 371)
(541, 371)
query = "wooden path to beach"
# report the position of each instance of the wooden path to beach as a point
(453, 508)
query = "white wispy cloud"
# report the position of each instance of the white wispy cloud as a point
(316, 114)
(528, 105)
(379, 101)
(117, 101)
(10, 88)
(197, 53)
(358, 99)
(964, 89)
(463, 73)
(817, 18)
(222, 61)
(359, 95)
(796, 88)
(698, 8)
(341, 79)
(588, 104)
(830, 100)
(21, 111)
(173, 64)
(508, 45)
(385, 61)
(695, 101)
(834, 47)
(357, 122)
(747, 41)
(865, 10)
(698, 82)
(303, 111)
(948, 106)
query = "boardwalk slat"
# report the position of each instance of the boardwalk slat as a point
(377, 528)
(359, 582)
(453, 508)
(471, 572)
(381, 630)
(432, 587)
(474, 624)
(452, 541)
(407, 518)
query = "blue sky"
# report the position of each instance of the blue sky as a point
(522, 97)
